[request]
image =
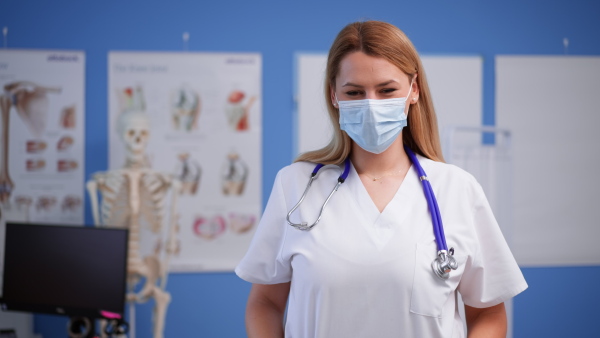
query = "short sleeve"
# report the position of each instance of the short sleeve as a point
(491, 275)
(262, 263)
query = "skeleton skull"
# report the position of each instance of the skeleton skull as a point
(134, 129)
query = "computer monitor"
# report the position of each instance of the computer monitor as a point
(66, 270)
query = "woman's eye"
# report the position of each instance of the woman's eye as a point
(388, 90)
(353, 93)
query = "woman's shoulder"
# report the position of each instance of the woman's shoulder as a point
(297, 169)
(445, 171)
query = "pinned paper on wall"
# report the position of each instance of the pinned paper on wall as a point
(549, 104)
(205, 115)
(42, 141)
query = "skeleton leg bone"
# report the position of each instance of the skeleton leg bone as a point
(162, 299)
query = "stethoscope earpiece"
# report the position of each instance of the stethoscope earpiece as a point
(313, 176)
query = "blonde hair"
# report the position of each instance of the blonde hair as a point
(379, 39)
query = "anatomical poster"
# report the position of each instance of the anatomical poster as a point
(42, 136)
(194, 119)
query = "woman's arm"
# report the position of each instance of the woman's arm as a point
(486, 322)
(265, 309)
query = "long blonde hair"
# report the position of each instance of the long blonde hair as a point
(379, 39)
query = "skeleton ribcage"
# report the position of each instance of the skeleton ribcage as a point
(115, 199)
(152, 199)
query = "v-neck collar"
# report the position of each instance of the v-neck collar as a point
(382, 225)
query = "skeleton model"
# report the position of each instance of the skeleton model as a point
(31, 103)
(133, 197)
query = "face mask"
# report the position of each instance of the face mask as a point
(373, 124)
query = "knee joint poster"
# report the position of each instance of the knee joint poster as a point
(197, 119)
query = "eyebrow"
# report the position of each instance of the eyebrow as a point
(350, 84)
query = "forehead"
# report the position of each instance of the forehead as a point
(358, 67)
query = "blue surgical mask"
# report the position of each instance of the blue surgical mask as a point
(373, 124)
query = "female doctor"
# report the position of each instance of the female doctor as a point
(365, 268)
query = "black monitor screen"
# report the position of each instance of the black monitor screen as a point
(69, 270)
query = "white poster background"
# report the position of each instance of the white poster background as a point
(550, 104)
(45, 140)
(208, 218)
(455, 83)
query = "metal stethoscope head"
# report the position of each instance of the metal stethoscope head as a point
(444, 263)
(304, 225)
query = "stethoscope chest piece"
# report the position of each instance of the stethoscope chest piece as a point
(444, 263)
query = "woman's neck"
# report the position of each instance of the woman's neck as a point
(393, 159)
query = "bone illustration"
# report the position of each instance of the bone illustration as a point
(63, 166)
(35, 164)
(17, 209)
(64, 143)
(31, 103)
(24, 203)
(35, 146)
(234, 175)
(70, 203)
(209, 228)
(188, 172)
(185, 109)
(67, 117)
(241, 223)
(137, 196)
(237, 111)
(6, 183)
(45, 203)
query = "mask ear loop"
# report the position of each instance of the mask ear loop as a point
(410, 88)
(407, 97)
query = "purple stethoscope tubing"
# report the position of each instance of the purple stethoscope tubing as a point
(438, 227)
(443, 263)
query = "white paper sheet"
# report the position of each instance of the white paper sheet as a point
(205, 114)
(550, 104)
(44, 172)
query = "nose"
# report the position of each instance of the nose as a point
(370, 95)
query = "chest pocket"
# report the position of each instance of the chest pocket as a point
(429, 292)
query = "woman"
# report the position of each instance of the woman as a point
(365, 270)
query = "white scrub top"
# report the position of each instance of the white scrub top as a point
(361, 273)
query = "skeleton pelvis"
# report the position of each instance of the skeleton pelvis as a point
(149, 269)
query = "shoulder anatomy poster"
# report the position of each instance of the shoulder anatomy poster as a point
(42, 136)
(201, 115)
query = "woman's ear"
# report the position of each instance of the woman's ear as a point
(414, 91)
(333, 97)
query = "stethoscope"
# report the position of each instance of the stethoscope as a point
(443, 263)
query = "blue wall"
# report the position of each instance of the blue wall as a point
(560, 302)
